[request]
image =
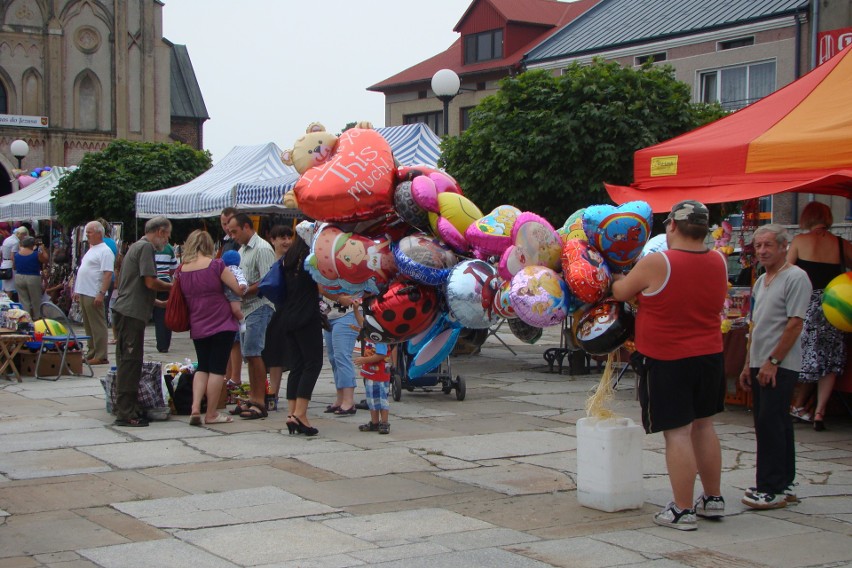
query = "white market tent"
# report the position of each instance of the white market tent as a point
(412, 144)
(212, 191)
(245, 187)
(34, 201)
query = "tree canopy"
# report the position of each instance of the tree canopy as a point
(106, 183)
(546, 143)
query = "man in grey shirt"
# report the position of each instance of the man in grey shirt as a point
(780, 299)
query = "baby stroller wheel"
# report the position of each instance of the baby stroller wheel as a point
(460, 388)
(396, 385)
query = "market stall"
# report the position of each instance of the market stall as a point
(34, 201)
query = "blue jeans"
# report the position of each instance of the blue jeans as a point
(340, 342)
(254, 337)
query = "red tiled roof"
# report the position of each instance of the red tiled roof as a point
(516, 11)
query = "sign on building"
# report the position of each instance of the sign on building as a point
(23, 120)
(832, 42)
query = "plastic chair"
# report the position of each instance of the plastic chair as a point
(61, 343)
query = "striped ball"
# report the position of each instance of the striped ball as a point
(837, 302)
(49, 327)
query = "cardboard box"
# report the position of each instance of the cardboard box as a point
(49, 366)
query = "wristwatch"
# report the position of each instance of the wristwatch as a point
(774, 361)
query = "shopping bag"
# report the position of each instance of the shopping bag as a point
(272, 286)
(150, 393)
(177, 312)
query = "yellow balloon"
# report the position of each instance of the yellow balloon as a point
(457, 209)
(49, 327)
(837, 302)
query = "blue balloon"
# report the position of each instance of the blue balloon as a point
(442, 338)
(424, 259)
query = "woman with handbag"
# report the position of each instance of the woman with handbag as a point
(28, 262)
(302, 337)
(212, 327)
(280, 237)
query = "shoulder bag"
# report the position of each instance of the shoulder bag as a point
(272, 286)
(177, 312)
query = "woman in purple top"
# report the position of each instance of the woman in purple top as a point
(211, 325)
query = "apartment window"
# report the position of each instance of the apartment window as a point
(434, 120)
(484, 46)
(735, 43)
(652, 57)
(465, 117)
(737, 87)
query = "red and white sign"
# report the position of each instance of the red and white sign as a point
(831, 43)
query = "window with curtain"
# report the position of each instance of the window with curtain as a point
(737, 87)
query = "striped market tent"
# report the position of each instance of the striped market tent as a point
(34, 201)
(212, 191)
(412, 144)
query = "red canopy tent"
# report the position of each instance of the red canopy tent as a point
(799, 138)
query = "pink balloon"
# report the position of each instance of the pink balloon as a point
(24, 181)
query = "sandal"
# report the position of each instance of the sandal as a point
(254, 411)
(195, 420)
(344, 412)
(800, 413)
(238, 409)
(220, 419)
(331, 409)
(819, 425)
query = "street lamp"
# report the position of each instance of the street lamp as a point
(445, 85)
(19, 149)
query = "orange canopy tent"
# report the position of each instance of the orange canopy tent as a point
(799, 138)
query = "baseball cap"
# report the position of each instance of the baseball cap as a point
(695, 212)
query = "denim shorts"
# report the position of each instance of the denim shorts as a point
(253, 338)
(377, 394)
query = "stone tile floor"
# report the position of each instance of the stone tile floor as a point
(490, 481)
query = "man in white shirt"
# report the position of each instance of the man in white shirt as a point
(10, 246)
(90, 288)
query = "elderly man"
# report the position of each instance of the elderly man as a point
(10, 246)
(774, 359)
(683, 383)
(256, 256)
(137, 291)
(90, 288)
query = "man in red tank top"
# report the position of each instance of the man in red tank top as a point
(681, 293)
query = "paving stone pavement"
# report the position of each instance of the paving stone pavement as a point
(488, 481)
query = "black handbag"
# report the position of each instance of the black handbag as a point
(6, 273)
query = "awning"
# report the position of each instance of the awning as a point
(34, 201)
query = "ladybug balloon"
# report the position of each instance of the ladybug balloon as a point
(401, 312)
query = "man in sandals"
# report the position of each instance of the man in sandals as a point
(681, 294)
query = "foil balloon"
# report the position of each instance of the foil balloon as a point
(24, 181)
(573, 227)
(539, 296)
(312, 149)
(656, 243)
(524, 331)
(408, 209)
(585, 271)
(503, 301)
(455, 214)
(424, 259)
(432, 346)
(618, 233)
(535, 243)
(402, 311)
(355, 184)
(492, 234)
(470, 291)
(604, 327)
(349, 260)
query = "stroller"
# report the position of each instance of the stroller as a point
(442, 374)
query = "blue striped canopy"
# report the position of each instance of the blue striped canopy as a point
(34, 201)
(412, 144)
(212, 191)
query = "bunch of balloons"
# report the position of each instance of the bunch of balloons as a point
(430, 263)
(26, 178)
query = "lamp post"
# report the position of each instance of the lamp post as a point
(445, 85)
(19, 149)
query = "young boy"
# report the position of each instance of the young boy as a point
(374, 371)
(231, 259)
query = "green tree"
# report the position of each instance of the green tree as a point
(106, 183)
(546, 143)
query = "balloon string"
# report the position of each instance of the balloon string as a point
(597, 405)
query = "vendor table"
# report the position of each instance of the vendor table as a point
(10, 343)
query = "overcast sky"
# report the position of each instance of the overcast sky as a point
(267, 68)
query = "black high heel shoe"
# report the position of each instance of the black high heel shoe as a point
(291, 426)
(306, 430)
(819, 424)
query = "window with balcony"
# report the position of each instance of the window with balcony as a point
(484, 46)
(434, 120)
(737, 87)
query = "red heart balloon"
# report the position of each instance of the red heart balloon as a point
(585, 271)
(355, 184)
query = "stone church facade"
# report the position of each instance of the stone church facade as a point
(94, 71)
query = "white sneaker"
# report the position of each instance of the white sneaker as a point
(789, 495)
(710, 507)
(760, 500)
(672, 517)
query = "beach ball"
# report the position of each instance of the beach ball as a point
(49, 327)
(837, 302)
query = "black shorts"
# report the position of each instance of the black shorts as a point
(675, 393)
(213, 352)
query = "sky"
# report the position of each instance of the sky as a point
(268, 68)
